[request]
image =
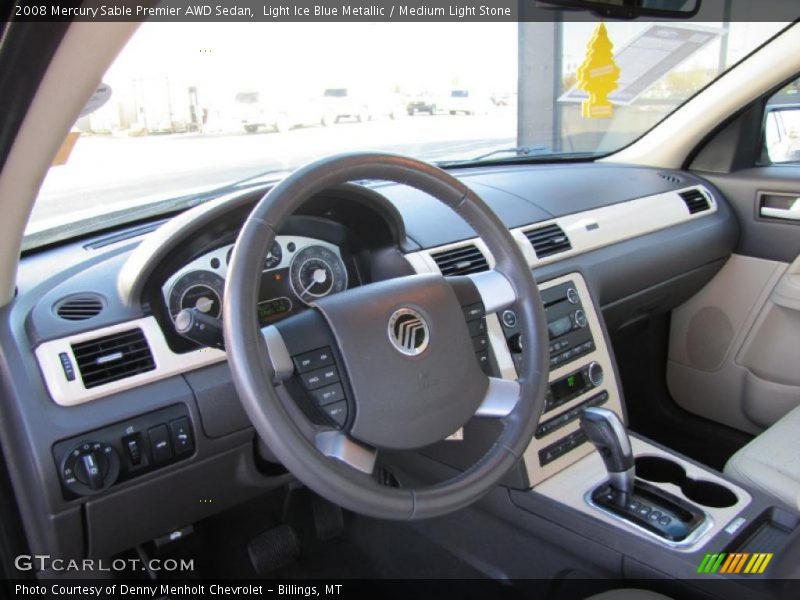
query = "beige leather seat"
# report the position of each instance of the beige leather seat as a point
(771, 462)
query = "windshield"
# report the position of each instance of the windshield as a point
(198, 106)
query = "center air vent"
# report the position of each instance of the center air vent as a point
(79, 308)
(113, 357)
(548, 240)
(460, 261)
(695, 201)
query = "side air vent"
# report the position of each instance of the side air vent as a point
(695, 201)
(548, 240)
(79, 308)
(461, 261)
(113, 357)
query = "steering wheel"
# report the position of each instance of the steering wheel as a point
(407, 371)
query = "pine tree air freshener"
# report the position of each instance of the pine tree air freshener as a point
(598, 75)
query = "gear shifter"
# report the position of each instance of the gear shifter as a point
(607, 432)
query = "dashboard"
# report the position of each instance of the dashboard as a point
(604, 254)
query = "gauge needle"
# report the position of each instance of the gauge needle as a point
(319, 277)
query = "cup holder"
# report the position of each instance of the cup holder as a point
(661, 470)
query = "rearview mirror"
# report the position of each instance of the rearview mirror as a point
(631, 9)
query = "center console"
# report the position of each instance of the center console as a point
(581, 374)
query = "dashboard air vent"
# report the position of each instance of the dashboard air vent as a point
(461, 261)
(113, 357)
(548, 240)
(695, 201)
(80, 307)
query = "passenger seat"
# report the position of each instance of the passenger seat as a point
(771, 462)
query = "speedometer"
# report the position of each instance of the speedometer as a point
(317, 271)
(202, 290)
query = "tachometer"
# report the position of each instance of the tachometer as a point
(198, 289)
(317, 271)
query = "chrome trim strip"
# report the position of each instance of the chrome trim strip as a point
(279, 356)
(335, 444)
(495, 289)
(501, 398)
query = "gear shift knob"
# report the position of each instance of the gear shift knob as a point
(607, 432)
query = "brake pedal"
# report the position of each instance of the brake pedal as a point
(273, 549)
(328, 518)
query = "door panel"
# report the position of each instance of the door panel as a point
(734, 347)
(707, 336)
(769, 238)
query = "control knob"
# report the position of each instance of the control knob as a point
(595, 374)
(89, 468)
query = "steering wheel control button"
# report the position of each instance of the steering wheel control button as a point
(313, 360)
(477, 327)
(481, 343)
(159, 444)
(66, 364)
(337, 412)
(320, 377)
(483, 360)
(181, 434)
(474, 311)
(328, 395)
(509, 318)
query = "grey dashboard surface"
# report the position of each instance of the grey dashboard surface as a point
(521, 195)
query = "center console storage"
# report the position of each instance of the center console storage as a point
(657, 469)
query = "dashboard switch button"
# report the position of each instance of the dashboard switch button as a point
(159, 444)
(66, 364)
(181, 434)
(133, 448)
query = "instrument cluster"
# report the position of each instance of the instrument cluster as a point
(296, 271)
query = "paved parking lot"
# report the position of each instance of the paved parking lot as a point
(120, 171)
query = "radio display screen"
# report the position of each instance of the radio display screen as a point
(568, 386)
(559, 327)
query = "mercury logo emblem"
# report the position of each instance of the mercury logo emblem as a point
(408, 332)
